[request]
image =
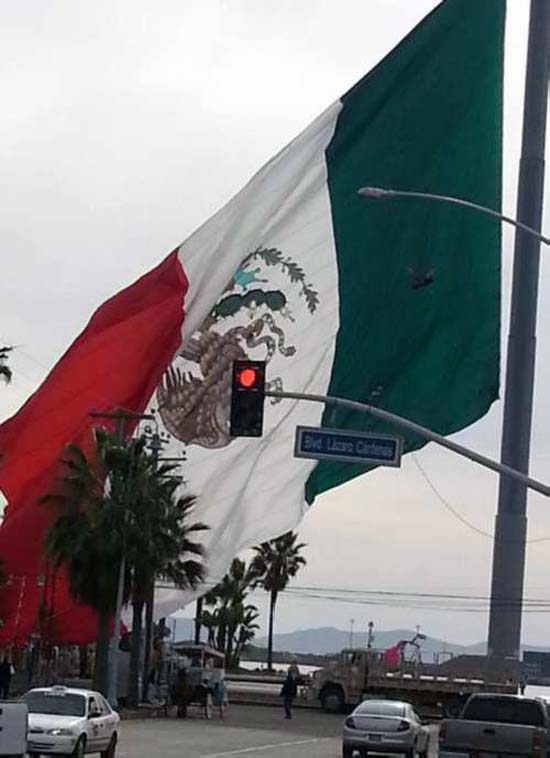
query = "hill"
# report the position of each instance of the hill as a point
(327, 640)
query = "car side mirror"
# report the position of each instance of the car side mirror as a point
(93, 714)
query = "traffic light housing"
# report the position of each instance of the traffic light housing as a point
(247, 399)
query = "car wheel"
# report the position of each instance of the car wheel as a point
(111, 750)
(347, 751)
(332, 699)
(79, 748)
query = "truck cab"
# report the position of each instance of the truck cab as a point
(344, 681)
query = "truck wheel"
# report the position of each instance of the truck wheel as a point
(452, 709)
(347, 751)
(332, 699)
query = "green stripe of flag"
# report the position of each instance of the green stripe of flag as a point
(427, 118)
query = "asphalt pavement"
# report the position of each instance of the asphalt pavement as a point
(246, 731)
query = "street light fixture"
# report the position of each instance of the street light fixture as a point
(378, 193)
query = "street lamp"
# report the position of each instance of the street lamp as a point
(378, 193)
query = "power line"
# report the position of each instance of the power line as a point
(404, 593)
(457, 514)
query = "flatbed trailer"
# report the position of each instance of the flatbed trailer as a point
(361, 674)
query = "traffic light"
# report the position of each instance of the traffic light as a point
(247, 399)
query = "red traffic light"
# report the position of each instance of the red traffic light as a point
(247, 398)
(247, 377)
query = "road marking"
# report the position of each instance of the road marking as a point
(274, 746)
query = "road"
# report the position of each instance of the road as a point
(247, 731)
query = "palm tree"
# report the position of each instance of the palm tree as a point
(160, 545)
(124, 504)
(85, 538)
(5, 370)
(245, 633)
(231, 622)
(274, 564)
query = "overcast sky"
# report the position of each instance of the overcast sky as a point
(125, 124)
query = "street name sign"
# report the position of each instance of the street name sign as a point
(350, 447)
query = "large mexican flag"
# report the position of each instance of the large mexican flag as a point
(393, 304)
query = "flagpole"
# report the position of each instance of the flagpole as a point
(511, 521)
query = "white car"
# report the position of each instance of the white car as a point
(70, 722)
(385, 726)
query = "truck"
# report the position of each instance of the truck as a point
(359, 673)
(496, 725)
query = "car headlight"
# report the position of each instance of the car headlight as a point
(60, 732)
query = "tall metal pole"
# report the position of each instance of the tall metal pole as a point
(198, 620)
(155, 446)
(112, 682)
(511, 521)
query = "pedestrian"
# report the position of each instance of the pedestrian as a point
(294, 671)
(182, 693)
(6, 673)
(288, 693)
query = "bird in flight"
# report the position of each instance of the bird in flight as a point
(419, 279)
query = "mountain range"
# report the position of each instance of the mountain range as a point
(329, 640)
(326, 640)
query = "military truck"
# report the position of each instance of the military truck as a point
(359, 674)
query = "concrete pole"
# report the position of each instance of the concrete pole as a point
(511, 521)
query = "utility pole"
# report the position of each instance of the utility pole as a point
(121, 417)
(198, 623)
(155, 445)
(511, 521)
(370, 635)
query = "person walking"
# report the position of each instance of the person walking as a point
(6, 673)
(294, 671)
(288, 692)
(182, 693)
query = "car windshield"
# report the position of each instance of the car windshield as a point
(56, 704)
(382, 709)
(504, 711)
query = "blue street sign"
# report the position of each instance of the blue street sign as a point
(352, 447)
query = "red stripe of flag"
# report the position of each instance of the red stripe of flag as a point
(116, 362)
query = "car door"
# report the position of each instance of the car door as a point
(96, 729)
(108, 720)
(423, 735)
